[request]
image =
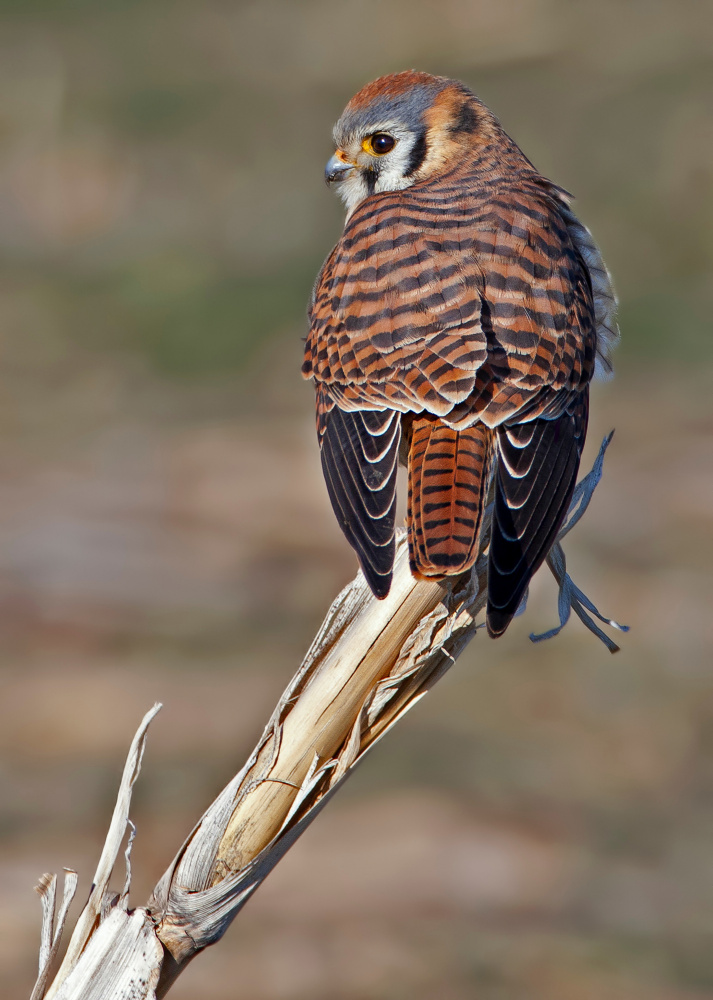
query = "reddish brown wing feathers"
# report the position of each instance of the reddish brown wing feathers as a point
(396, 316)
(432, 284)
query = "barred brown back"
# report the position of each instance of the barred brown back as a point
(427, 288)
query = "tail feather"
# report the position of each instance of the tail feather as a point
(448, 482)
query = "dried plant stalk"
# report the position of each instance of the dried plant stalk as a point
(370, 662)
(316, 724)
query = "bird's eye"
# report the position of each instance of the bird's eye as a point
(379, 143)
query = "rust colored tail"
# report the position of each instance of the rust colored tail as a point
(447, 484)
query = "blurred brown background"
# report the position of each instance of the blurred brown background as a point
(541, 827)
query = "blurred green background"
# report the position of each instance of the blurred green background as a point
(541, 827)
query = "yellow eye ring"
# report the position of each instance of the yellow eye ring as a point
(378, 144)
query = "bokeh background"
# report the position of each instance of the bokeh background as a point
(541, 827)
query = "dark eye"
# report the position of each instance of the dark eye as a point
(380, 143)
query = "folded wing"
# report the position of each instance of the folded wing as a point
(537, 465)
(359, 459)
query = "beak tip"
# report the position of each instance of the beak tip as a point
(336, 170)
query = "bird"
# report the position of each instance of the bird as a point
(455, 327)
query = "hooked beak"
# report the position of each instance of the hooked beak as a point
(336, 169)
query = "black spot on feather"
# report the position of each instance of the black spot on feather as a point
(466, 121)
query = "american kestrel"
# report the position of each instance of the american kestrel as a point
(457, 322)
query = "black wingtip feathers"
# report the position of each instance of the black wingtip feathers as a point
(379, 585)
(496, 622)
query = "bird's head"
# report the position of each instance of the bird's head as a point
(402, 129)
